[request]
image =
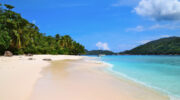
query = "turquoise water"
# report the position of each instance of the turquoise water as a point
(159, 72)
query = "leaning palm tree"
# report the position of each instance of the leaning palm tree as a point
(9, 7)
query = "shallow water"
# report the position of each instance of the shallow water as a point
(86, 80)
(159, 72)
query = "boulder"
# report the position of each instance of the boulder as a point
(8, 54)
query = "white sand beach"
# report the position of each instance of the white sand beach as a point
(65, 78)
(18, 75)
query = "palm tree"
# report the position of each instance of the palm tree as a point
(9, 7)
(57, 37)
(68, 41)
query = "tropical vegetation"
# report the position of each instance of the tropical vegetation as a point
(98, 52)
(163, 46)
(20, 36)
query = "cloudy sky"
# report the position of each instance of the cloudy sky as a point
(115, 25)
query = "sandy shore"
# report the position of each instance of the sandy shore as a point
(18, 75)
(65, 78)
(86, 80)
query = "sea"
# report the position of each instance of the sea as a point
(160, 72)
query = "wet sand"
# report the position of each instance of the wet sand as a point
(82, 80)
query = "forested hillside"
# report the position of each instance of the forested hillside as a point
(97, 52)
(20, 36)
(164, 46)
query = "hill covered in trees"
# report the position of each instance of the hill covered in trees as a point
(97, 52)
(20, 36)
(163, 46)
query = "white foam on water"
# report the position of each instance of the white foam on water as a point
(111, 71)
(174, 98)
(170, 95)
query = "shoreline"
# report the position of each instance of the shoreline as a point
(87, 78)
(129, 79)
(125, 77)
(71, 77)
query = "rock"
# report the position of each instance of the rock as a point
(30, 59)
(29, 54)
(47, 59)
(8, 54)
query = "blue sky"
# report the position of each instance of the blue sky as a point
(115, 25)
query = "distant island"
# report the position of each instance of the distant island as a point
(98, 52)
(163, 46)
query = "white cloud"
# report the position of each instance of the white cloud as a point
(141, 28)
(34, 21)
(164, 26)
(159, 9)
(136, 29)
(103, 46)
(157, 26)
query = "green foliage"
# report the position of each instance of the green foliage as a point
(162, 46)
(20, 36)
(9, 6)
(4, 41)
(97, 52)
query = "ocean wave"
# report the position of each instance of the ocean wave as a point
(98, 60)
